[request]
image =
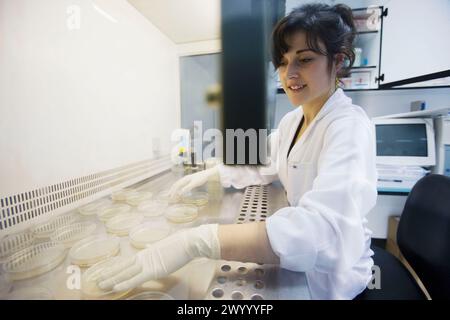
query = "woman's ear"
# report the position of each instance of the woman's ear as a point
(339, 61)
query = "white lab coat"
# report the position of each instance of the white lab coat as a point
(330, 181)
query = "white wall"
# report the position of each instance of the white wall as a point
(78, 99)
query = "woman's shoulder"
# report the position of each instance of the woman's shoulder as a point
(349, 113)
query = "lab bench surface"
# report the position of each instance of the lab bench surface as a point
(201, 278)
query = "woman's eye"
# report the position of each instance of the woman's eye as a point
(306, 60)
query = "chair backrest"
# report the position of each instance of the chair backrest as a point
(423, 233)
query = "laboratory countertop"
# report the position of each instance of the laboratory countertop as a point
(201, 278)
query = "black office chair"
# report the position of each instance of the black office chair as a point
(423, 237)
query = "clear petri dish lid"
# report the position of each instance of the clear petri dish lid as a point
(151, 295)
(94, 207)
(31, 293)
(93, 249)
(121, 224)
(45, 230)
(115, 209)
(147, 233)
(14, 243)
(70, 234)
(90, 278)
(138, 197)
(197, 198)
(182, 213)
(35, 260)
(122, 195)
(153, 208)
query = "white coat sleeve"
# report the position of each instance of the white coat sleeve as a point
(325, 231)
(242, 176)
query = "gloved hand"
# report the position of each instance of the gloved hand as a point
(189, 182)
(163, 257)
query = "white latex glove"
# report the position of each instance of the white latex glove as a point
(163, 257)
(189, 182)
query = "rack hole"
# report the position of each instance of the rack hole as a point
(225, 268)
(221, 279)
(242, 270)
(259, 272)
(259, 284)
(236, 295)
(257, 297)
(217, 293)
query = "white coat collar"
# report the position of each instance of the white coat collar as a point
(336, 99)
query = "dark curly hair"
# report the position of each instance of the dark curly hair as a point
(333, 25)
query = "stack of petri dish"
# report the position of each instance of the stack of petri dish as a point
(121, 224)
(115, 209)
(93, 249)
(45, 230)
(197, 198)
(94, 207)
(149, 232)
(35, 260)
(153, 208)
(138, 197)
(182, 213)
(14, 243)
(90, 279)
(70, 234)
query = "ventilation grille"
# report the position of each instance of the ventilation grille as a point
(254, 205)
(24, 207)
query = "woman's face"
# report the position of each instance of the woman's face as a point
(304, 73)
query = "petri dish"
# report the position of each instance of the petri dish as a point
(182, 213)
(147, 233)
(34, 260)
(151, 295)
(197, 198)
(115, 209)
(89, 279)
(121, 224)
(93, 249)
(94, 207)
(135, 199)
(164, 195)
(153, 208)
(31, 293)
(47, 229)
(70, 234)
(14, 243)
(122, 195)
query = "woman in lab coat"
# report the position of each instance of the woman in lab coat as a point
(324, 156)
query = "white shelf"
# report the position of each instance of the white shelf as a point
(444, 111)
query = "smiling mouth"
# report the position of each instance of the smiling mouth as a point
(297, 88)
